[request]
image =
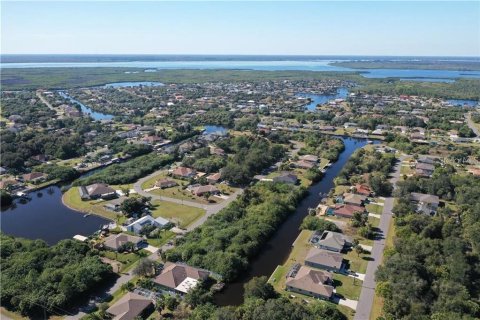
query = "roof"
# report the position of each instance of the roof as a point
(354, 198)
(425, 198)
(309, 157)
(179, 276)
(215, 176)
(6, 183)
(325, 257)
(98, 189)
(286, 177)
(183, 171)
(304, 164)
(312, 280)
(115, 241)
(131, 305)
(204, 189)
(165, 182)
(333, 240)
(363, 189)
(348, 209)
(425, 166)
(33, 176)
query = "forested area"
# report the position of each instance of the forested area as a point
(251, 156)
(433, 270)
(129, 171)
(321, 145)
(27, 106)
(226, 241)
(36, 277)
(203, 161)
(371, 167)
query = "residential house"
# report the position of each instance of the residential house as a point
(286, 177)
(180, 278)
(117, 241)
(324, 259)
(304, 164)
(34, 177)
(137, 226)
(307, 281)
(184, 173)
(131, 306)
(354, 199)
(362, 189)
(214, 178)
(424, 169)
(330, 240)
(9, 184)
(309, 158)
(97, 190)
(347, 210)
(200, 190)
(165, 183)
(426, 203)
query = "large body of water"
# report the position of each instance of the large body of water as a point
(276, 250)
(322, 98)
(86, 110)
(46, 217)
(266, 65)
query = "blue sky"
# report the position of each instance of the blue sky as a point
(323, 28)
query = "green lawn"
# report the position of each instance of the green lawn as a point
(126, 259)
(347, 287)
(277, 274)
(163, 238)
(178, 213)
(357, 263)
(374, 208)
(72, 199)
(375, 222)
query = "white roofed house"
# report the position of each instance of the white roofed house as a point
(137, 226)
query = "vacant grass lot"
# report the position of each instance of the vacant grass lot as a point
(358, 263)
(179, 213)
(374, 208)
(163, 237)
(127, 260)
(346, 286)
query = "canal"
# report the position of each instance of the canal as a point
(276, 250)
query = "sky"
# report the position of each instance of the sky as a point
(299, 28)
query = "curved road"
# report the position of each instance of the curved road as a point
(210, 209)
(364, 306)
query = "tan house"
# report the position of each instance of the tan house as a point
(116, 241)
(214, 178)
(130, 306)
(324, 259)
(200, 190)
(34, 177)
(179, 277)
(184, 172)
(165, 183)
(310, 282)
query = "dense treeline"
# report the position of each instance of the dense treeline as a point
(26, 107)
(433, 271)
(129, 171)
(321, 145)
(225, 242)
(36, 277)
(203, 161)
(251, 156)
(368, 166)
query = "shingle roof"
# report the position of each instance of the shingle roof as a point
(425, 198)
(99, 189)
(324, 257)
(131, 305)
(115, 241)
(174, 274)
(312, 280)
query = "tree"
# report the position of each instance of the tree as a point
(133, 205)
(171, 302)
(259, 288)
(145, 267)
(5, 198)
(358, 249)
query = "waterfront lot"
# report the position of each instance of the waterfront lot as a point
(72, 199)
(180, 214)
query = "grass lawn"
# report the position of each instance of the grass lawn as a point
(72, 199)
(374, 208)
(374, 221)
(347, 287)
(165, 236)
(297, 255)
(126, 259)
(323, 163)
(178, 213)
(357, 263)
(341, 190)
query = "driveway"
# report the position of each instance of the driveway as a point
(352, 304)
(368, 290)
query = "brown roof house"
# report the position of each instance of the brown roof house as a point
(214, 178)
(309, 158)
(347, 210)
(324, 259)
(116, 241)
(362, 190)
(307, 281)
(180, 278)
(184, 172)
(130, 306)
(302, 164)
(200, 190)
(97, 190)
(165, 183)
(34, 177)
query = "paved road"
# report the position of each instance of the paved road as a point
(472, 125)
(365, 302)
(210, 209)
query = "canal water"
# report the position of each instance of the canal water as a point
(95, 115)
(46, 217)
(276, 250)
(322, 98)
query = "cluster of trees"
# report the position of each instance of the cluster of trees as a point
(26, 105)
(203, 161)
(251, 156)
(433, 271)
(134, 205)
(61, 173)
(321, 145)
(311, 222)
(36, 277)
(129, 171)
(225, 242)
(372, 163)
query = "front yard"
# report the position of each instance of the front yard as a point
(180, 214)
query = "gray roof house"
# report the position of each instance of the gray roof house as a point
(116, 241)
(307, 281)
(97, 190)
(130, 306)
(286, 177)
(426, 203)
(333, 241)
(324, 259)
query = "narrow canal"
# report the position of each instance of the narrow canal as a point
(277, 249)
